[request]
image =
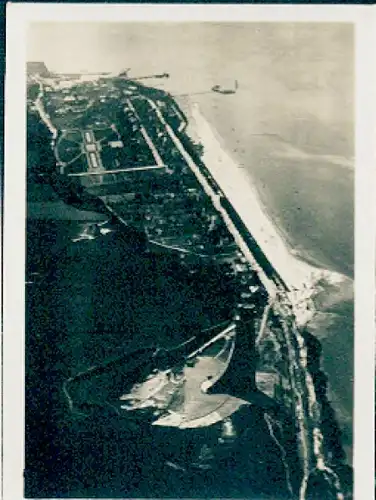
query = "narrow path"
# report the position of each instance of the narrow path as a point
(304, 397)
(114, 171)
(263, 322)
(269, 422)
(149, 142)
(268, 283)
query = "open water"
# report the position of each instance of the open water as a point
(290, 126)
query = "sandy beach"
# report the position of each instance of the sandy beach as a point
(318, 291)
(238, 188)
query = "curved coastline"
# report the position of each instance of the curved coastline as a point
(294, 186)
(303, 275)
(274, 240)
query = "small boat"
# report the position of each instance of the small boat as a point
(224, 90)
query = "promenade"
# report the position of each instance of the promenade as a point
(298, 279)
(241, 194)
(215, 198)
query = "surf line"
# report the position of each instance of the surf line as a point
(294, 305)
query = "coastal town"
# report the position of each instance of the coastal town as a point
(112, 146)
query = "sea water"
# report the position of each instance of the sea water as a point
(310, 198)
(289, 126)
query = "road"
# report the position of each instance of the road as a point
(149, 142)
(305, 405)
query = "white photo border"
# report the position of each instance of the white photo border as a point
(18, 17)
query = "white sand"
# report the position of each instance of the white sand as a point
(239, 190)
(299, 276)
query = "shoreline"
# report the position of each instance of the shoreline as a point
(297, 272)
(306, 280)
(258, 151)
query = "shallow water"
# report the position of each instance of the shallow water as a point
(290, 126)
(309, 199)
(295, 93)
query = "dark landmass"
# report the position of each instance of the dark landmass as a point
(103, 295)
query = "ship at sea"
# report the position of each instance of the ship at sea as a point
(154, 315)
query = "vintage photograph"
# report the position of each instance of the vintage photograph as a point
(189, 260)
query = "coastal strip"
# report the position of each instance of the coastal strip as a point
(293, 286)
(287, 273)
(215, 198)
(242, 195)
(302, 383)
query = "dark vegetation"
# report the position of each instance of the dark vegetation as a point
(329, 426)
(73, 324)
(32, 91)
(80, 315)
(136, 150)
(40, 157)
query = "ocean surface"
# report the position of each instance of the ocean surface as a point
(290, 126)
